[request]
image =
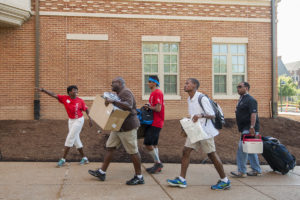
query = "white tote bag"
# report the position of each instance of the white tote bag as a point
(193, 130)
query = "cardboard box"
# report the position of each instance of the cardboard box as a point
(107, 117)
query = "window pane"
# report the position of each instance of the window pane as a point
(242, 49)
(147, 59)
(220, 83)
(241, 60)
(170, 84)
(150, 47)
(234, 60)
(174, 47)
(236, 79)
(233, 49)
(173, 59)
(167, 59)
(147, 68)
(154, 68)
(147, 89)
(241, 68)
(216, 49)
(235, 69)
(167, 68)
(154, 59)
(173, 68)
(223, 49)
(216, 64)
(223, 64)
(166, 48)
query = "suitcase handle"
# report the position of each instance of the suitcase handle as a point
(245, 135)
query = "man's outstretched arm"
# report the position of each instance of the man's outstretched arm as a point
(47, 92)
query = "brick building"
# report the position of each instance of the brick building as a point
(89, 42)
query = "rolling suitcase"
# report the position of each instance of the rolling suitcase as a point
(277, 155)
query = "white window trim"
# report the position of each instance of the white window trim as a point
(87, 36)
(228, 41)
(162, 39)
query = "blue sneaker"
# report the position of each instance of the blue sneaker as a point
(177, 182)
(221, 185)
(84, 161)
(61, 162)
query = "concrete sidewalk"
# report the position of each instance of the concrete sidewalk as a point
(36, 180)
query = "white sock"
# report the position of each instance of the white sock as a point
(85, 158)
(102, 172)
(139, 176)
(153, 155)
(156, 152)
(181, 178)
(63, 159)
(225, 180)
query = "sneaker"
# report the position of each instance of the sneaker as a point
(84, 161)
(221, 185)
(238, 175)
(156, 168)
(177, 182)
(253, 173)
(135, 181)
(97, 174)
(61, 163)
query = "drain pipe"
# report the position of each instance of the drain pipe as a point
(274, 61)
(37, 61)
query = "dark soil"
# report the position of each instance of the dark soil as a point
(43, 140)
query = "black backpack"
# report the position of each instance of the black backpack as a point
(145, 116)
(277, 155)
(219, 120)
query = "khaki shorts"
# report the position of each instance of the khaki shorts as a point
(128, 139)
(208, 146)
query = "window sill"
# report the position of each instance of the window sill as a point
(166, 97)
(234, 97)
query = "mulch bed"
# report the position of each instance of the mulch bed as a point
(43, 140)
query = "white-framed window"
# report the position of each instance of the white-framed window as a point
(161, 59)
(229, 63)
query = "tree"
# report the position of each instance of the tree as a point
(288, 86)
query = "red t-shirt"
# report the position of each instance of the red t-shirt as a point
(158, 117)
(74, 107)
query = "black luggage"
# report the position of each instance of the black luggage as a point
(277, 155)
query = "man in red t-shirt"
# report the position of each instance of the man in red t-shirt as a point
(156, 104)
(74, 107)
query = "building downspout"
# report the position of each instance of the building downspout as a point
(274, 61)
(37, 61)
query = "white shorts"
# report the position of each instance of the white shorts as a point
(208, 146)
(73, 138)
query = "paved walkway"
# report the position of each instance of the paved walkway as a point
(42, 181)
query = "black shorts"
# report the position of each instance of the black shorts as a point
(151, 135)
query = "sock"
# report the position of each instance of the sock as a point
(63, 159)
(102, 172)
(156, 152)
(153, 155)
(139, 176)
(181, 178)
(225, 180)
(85, 158)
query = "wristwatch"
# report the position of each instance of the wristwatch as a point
(251, 126)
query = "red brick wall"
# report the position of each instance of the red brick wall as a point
(17, 52)
(93, 64)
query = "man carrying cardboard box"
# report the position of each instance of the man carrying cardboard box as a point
(126, 136)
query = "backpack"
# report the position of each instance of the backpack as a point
(219, 120)
(277, 155)
(145, 116)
